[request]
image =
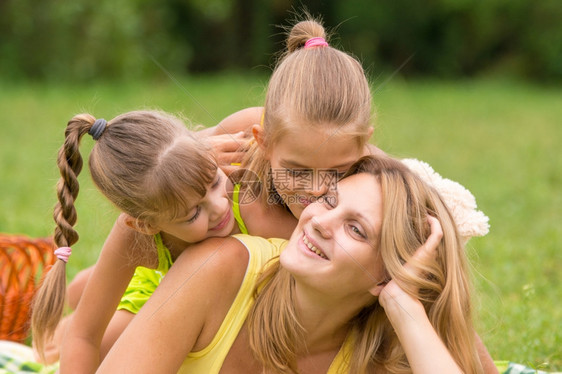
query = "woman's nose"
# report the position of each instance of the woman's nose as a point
(322, 224)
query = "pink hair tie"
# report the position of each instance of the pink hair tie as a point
(315, 42)
(63, 253)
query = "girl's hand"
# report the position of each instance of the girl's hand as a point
(229, 149)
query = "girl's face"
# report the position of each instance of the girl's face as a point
(307, 166)
(334, 248)
(211, 216)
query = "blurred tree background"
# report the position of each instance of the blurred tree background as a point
(87, 39)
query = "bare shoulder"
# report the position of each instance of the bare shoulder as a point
(371, 149)
(214, 259)
(203, 282)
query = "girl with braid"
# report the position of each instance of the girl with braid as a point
(171, 193)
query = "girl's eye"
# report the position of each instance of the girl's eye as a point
(194, 217)
(357, 231)
(217, 182)
(330, 200)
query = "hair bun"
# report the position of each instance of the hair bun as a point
(303, 31)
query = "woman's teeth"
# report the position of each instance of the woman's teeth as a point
(313, 248)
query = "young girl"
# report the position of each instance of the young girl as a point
(172, 194)
(315, 124)
(374, 280)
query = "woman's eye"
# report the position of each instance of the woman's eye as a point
(194, 217)
(357, 231)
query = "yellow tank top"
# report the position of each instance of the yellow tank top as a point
(210, 359)
(145, 280)
(236, 209)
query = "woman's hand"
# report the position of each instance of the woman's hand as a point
(392, 295)
(424, 349)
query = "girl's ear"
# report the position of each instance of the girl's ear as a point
(370, 131)
(140, 226)
(258, 133)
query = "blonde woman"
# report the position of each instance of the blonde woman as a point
(374, 279)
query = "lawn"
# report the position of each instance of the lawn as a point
(500, 139)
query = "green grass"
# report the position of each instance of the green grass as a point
(499, 139)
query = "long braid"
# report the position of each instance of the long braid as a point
(70, 165)
(48, 304)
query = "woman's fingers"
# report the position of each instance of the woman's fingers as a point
(426, 252)
(429, 249)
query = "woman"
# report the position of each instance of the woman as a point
(365, 284)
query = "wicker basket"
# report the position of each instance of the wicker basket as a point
(22, 264)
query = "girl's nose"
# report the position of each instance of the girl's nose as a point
(216, 206)
(323, 181)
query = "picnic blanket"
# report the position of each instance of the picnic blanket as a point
(18, 358)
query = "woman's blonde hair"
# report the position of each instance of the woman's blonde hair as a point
(147, 163)
(442, 284)
(320, 87)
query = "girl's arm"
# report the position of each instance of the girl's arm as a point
(243, 120)
(185, 311)
(80, 352)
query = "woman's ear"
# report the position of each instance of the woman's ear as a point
(377, 289)
(141, 226)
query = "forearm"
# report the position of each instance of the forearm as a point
(81, 347)
(243, 120)
(79, 355)
(80, 352)
(485, 357)
(424, 349)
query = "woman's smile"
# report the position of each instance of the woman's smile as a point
(313, 247)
